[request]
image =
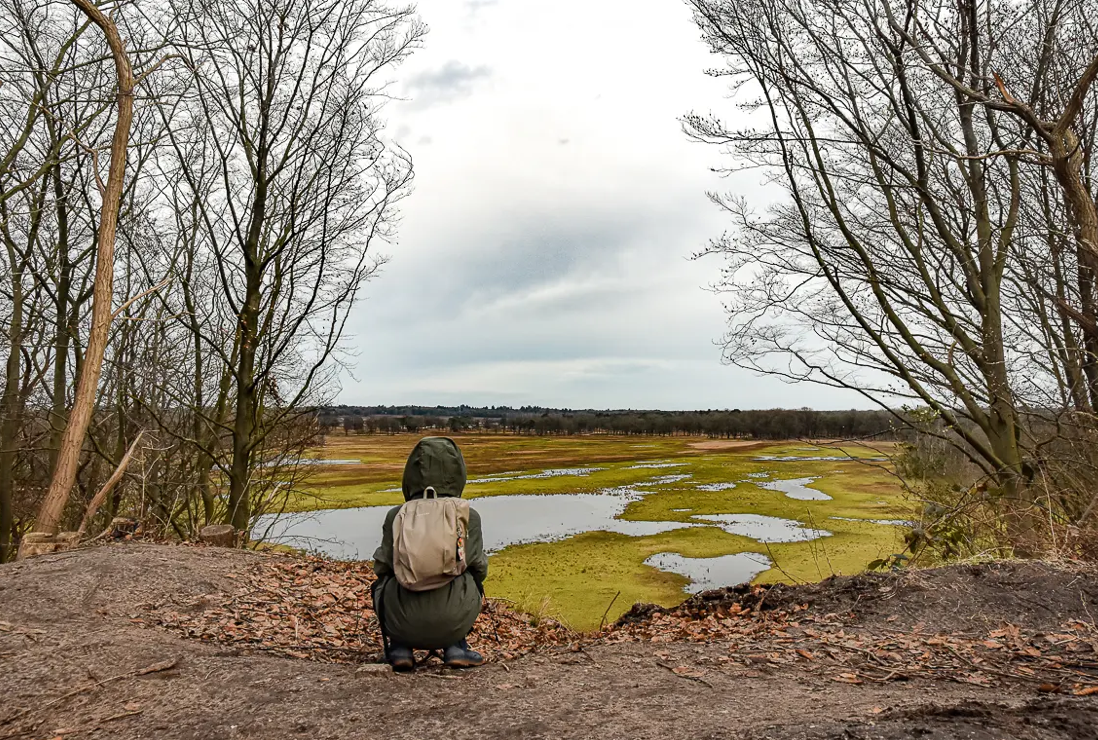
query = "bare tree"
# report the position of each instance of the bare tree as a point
(897, 260)
(41, 54)
(1056, 72)
(248, 186)
(280, 158)
(64, 474)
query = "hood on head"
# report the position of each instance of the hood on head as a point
(435, 462)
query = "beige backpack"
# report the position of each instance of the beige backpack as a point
(429, 541)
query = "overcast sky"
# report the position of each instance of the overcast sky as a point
(543, 257)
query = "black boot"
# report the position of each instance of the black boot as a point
(400, 658)
(462, 656)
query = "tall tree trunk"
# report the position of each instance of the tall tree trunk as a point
(1067, 165)
(62, 333)
(204, 432)
(1090, 337)
(9, 418)
(13, 402)
(244, 425)
(239, 513)
(68, 458)
(1073, 356)
(203, 459)
(124, 360)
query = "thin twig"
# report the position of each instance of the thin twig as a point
(120, 715)
(118, 312)
(602, 622)
(116, 476)
(777, 565)
(165, 665)
(144, 75)
(683, 675)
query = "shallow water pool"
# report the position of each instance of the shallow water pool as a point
(708, 573)
(551, 473)
(713, 487)
(764, 528)
(796, 488)
(307, 461)
(890, 522)
(507, 520)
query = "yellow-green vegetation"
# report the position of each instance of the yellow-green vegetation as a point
(376, 480)
(576, 579)
(581, 575)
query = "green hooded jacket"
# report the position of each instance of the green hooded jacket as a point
(427, 620)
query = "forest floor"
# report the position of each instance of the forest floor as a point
(151, 641)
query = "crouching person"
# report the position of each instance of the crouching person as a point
(431, 564)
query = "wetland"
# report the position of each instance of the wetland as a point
(574, 524)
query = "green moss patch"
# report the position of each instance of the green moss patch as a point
(575, 580)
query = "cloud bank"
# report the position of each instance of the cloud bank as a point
(544, 255)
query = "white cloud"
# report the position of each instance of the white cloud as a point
(530, 271)
(452, 81)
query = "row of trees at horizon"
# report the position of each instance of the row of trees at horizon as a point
(767, 424)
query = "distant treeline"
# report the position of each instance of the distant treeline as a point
(755, 423)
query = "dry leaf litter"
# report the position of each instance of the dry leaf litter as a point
(318, 609)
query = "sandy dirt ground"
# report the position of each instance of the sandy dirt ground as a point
(79, 659)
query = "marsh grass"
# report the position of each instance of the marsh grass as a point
(574, 580)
